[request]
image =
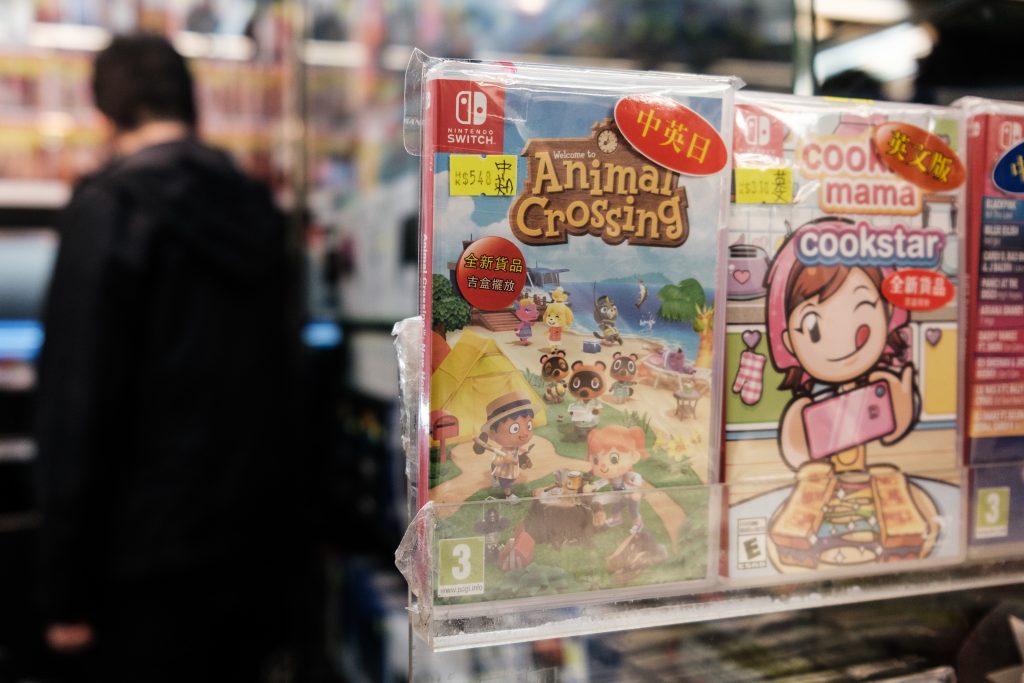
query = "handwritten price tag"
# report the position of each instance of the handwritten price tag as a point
(493, 175)
(764, 186)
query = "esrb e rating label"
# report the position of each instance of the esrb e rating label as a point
(752, 543)
(460, 567)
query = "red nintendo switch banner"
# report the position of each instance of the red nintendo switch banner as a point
(470, 117)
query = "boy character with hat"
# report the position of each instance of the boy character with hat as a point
(509, 427)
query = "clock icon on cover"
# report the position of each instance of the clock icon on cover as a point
(607, 141)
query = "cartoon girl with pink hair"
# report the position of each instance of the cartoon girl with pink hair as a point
(839, 343)
(527, 314)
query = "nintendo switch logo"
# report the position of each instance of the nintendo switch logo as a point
(758, 132)
(471, 107)
(470, 117)
(1010, 132)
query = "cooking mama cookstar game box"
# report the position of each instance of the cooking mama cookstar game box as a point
(572, 223)
(842, 347)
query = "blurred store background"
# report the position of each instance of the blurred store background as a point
(308, 96)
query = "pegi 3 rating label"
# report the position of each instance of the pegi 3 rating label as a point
(460, 567)
(992, 513)
(752, 543)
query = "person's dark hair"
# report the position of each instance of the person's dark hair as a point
(140, 78)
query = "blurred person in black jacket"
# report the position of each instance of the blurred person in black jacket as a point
(165, 479)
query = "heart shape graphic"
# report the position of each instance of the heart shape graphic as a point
(751, 338)
(933, 335)
(741, 276)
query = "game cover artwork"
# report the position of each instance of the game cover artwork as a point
(994, 392)
(843, 271)
(571, 243)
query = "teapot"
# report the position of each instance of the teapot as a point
(748, 267)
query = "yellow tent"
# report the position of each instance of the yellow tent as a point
(473, 374)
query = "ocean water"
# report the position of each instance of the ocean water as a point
(582, 296)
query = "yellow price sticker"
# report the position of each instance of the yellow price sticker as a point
(764, 186)
(493, 175)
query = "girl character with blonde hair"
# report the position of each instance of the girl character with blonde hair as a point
(557, 316)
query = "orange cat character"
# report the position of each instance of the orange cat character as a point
(612, 452)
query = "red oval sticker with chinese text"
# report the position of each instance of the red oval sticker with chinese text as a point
(916, 289)
(671, 135)
(918, 156)
(491, 273)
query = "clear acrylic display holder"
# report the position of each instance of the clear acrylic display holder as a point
(955, 556)
(452, 564)
(473, 624)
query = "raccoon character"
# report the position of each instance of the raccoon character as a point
(623, 371)
(605, 315)
(587, 385)
(554, 369)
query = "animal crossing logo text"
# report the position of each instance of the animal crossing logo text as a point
(598, 185)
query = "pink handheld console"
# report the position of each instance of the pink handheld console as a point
(849, 419)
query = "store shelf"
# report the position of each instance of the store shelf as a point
(77, 37)
(340, 54)
(210, 46)
(34, 194)
(19, 521)
(556, 611)
(447, 630)
(17, 450)
(17, 376)
(55, 36)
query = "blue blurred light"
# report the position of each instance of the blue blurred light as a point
(322, 334)
(20, 339)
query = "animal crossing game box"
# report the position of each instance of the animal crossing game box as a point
(843, 279)
(994, 393)
(572, 221)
